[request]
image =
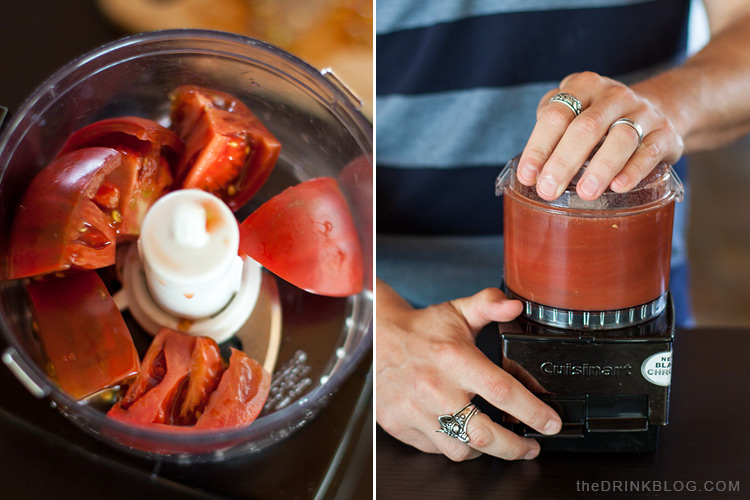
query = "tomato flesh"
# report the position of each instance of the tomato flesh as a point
(183, 385)
(165, 367)
(84, 337)
(205, 374)
(228, 151)
(134, 197)
(240, 396)
(57, 226)
(149, 153)
(108, 196)
(306, 235)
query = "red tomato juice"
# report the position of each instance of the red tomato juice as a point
(578, 260)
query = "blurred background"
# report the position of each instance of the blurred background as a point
(719, 236)
(325, 33)
(41, 35)
(719, 220)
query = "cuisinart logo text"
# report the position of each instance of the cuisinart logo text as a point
(584, 370)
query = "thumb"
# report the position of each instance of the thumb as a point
(487, 306)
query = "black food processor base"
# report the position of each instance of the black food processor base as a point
(611, 387)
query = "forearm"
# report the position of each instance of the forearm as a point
(706, 98)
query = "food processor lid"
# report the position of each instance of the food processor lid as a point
(661, 186)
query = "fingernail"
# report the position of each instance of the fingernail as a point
(527, 173)
(590, 185)
(547, 186)
(532, 453)
(621, 181)
(552, 426)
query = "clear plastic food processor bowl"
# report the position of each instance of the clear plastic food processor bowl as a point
(589, 265)
(322, 133)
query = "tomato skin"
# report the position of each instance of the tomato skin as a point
(228, 151)
(57, 226)
(240, 396)
(142, 134)
(149, 150)
(84, 336)
(356, 179)
(205, 373)
(164, 368)
(306, 235)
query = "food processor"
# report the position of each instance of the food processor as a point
(311, 343)
(594, 340)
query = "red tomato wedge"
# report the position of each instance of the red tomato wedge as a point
(205, 374)
(240, 396)
(228, 151)
(165, 367)
(58, 226)
(183, 386)
(85, 340)
(149, 153)
(306, 235)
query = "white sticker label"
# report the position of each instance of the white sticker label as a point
(657, 368)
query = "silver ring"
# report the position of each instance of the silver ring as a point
(457, 425)
(632, 124)
(569, 100)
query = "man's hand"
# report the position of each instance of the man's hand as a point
(428, 365)
(561, 142)
(696, 106)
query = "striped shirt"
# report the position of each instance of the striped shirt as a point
(457, 86)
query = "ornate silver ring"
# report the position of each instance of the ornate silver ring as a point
(569, 100)
(632, 124)
(457, 424)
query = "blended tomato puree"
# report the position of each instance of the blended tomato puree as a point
(574, 260)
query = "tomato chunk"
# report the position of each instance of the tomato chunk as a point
(58, 226)
(240, 396)
(84, 337)
(165, 367)
(150, 151)
(205, 374)
(182, 385)
(306, 235)
(228, 151)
